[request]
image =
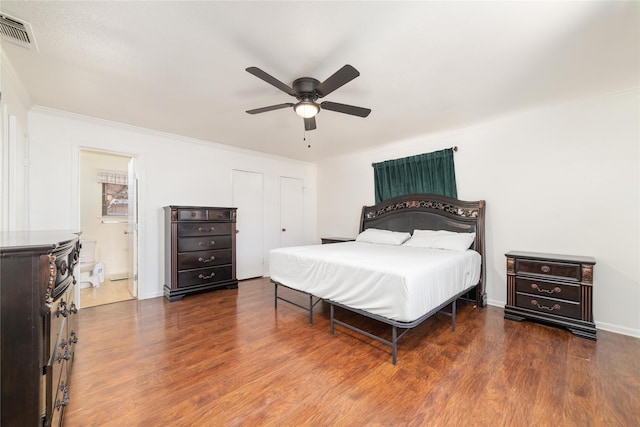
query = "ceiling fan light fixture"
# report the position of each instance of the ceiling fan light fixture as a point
(306, 109)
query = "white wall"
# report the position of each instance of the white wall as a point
(173, 171)
(561, 179)
(14, 106)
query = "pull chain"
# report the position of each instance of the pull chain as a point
(305, 137)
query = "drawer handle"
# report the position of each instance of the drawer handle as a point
(207, 260)
(544, 307)
(555, 290)
(66, 355)
(212, 228)
(202, 276)
(212, 243)
(62, 309)
(65, 396)
(545, 268)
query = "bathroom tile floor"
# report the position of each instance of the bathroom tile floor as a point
(109, 292)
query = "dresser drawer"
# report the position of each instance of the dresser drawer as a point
(204, 215)
(201, 259)
(562, 270)
(549, 289)
(548, 305)
(59, 314)
(204, 275)
(187, 229)
(61, 399)
(56, 367)
(187, 244)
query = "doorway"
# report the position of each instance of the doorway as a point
(108, 221)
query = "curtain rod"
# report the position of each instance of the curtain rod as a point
(454, 148)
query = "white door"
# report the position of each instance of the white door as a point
(132, 227)
(248, 198)
(291, 212)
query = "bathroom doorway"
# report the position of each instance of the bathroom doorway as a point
(108, 220)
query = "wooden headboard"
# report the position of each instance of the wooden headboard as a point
(431, 212)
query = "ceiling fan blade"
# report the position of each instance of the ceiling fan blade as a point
(346, 109)
(271, 80)
(310, 123)
(341, 77)
(270, 108)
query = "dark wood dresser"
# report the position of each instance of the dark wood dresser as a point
(37, 342)
(200, 250)
(551, 288)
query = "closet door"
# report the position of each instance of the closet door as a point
(248, 198)
(291, 212)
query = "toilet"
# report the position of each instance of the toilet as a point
(91, 271)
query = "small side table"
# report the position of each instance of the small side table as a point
(551, 288)
(326, 240)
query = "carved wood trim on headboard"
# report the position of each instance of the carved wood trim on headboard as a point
(431, 212)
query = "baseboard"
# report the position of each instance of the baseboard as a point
(618, 329)
(495, 303)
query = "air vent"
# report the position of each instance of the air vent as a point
(14, 31)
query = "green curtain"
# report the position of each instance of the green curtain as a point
(432, 173)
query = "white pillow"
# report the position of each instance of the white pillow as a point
(384, 237)
(441, 239)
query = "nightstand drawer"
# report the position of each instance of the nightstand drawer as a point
(187, 244)
(562, 270)
(548, 305)
(327, 240)
(201, 259)
(548, 289)
(186, 229)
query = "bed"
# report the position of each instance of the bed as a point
(400, 285)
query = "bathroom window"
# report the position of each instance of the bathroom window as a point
(115, 200)
(115, 193)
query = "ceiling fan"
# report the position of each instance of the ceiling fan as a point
(307, 90)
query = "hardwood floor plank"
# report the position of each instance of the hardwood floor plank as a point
(229, 358)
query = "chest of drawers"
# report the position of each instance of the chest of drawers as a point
(37, 325)
(556, 289)
(200, 250)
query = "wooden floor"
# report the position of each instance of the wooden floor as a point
(108, 292)
(228, 358)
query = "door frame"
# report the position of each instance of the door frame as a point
(75, 204)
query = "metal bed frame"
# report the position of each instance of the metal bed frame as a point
(311, 303)
(408, 213)
(395, 325)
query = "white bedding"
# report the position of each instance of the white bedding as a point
(397, 282)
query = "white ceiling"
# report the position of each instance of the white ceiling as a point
(179, 67)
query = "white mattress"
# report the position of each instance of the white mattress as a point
(397, 282)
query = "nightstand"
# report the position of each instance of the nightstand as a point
(551, 288)
(326, 240)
